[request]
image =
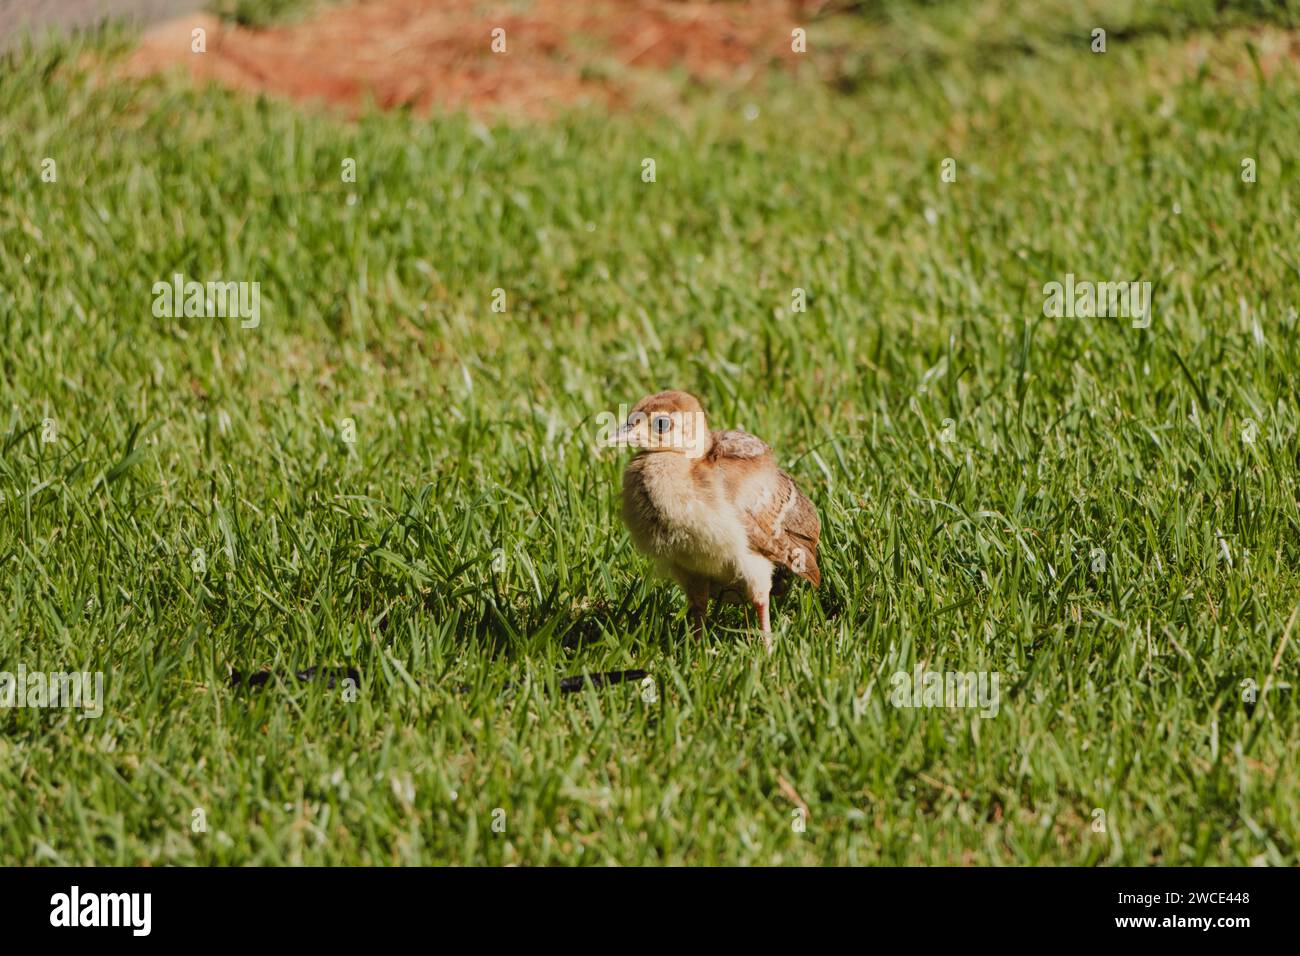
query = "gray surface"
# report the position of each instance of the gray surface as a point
(38, 17)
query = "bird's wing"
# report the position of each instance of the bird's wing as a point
(737, 444)
(781, 523)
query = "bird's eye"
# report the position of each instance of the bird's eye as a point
(662, 424)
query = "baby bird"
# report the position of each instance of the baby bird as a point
(712, 509)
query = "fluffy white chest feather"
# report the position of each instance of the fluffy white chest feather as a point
(679, 521)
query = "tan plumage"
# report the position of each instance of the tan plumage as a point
(712, 509)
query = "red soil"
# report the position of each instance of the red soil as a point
(437, 54)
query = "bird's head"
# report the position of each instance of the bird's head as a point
(670, 422)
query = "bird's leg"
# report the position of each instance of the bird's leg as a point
(697, 622)
(758, 584)
(698, 598)
(764, 622)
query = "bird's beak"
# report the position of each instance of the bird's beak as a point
(627, 435)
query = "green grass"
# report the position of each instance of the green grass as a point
(1121, 689)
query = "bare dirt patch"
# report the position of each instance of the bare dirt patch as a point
(435, 55)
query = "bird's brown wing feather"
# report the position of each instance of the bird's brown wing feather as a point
(737, 444)
(781, 522)
(785, 528)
